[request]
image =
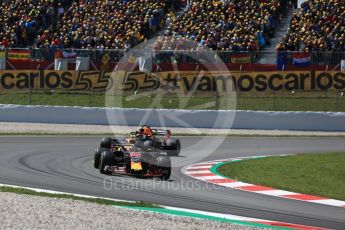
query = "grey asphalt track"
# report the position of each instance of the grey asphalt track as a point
(65, 164)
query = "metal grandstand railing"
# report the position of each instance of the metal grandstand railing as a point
(187, 57)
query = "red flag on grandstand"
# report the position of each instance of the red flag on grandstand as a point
(301, 59)
(69, 55)
(58, 54)
(240, 58)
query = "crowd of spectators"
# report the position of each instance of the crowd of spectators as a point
(318, 26)
(105, 24)
(22, 21)
(165, 48)
(236, 25)
(112, 24)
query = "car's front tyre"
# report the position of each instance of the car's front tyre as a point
(106, 159)
(164, 164)
(106, 142)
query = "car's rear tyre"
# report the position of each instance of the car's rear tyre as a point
(97, 157)
(106, 159)
(164, 164)
(173, 147)
(106, 142)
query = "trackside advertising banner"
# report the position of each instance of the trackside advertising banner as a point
(203, 82)
(64, 80)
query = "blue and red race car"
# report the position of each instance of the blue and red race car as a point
(139, 154)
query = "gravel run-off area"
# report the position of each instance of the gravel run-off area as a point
(35, 212)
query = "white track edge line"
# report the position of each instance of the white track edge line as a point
(63, 193)
(214, 214)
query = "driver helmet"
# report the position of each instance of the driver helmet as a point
(131, 139)
(148, 131)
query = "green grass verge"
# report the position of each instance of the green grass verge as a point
(287, 102)
(67, 196)
(314, 174)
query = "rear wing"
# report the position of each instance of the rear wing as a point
(156, 132)
(161, 132)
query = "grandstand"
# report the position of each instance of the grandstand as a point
(224, 25)
(318, 26)
(227, 26)
(230, 25)
(110, 24)
(274, 49)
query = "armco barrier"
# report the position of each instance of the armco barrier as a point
(308, 121)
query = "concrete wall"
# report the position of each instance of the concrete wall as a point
(318, 121)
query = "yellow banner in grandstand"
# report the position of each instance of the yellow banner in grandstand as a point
(180, 82)
(2, 55)
(20, 55)
(240, 58)
(105, 59)
(132, 59)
